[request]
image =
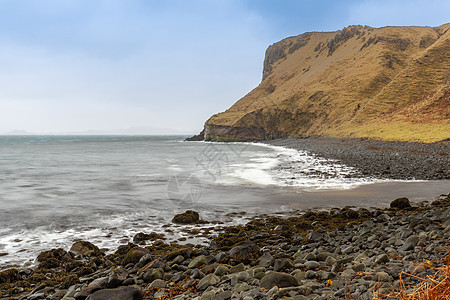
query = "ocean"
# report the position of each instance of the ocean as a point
(55, 190)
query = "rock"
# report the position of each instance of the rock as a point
(158, 283)
(69, 281)
(322, 256)
(382, 259)
(197, 262)
(265, 260)
(188, 217)
(84, 248)
(278, 279)
(400, 203)
(117, 277)
(243, 276)
(410, 243)
(141, 237)
(245, 253)
(207, 281)
(312, 264)
(134, 255)
(314, 236)
(382, 276)
(146, 259)
(221, 270)
(359, 267)
(152, 275)
(95, 285)
(282, 264)
(121, 293)
(239, 268)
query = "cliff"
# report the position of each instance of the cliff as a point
(388, 83)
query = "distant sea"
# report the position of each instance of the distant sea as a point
(55, 190)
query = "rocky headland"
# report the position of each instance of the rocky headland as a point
(341, 253)
(389, 83)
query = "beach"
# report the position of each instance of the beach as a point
(266, 241)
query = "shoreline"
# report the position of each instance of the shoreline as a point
(379, 159)
(301, 254)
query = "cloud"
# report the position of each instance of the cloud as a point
(112, 64)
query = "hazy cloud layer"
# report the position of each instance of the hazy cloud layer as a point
(70, 65)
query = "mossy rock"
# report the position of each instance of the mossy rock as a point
(185, 252)
(124, 249)
(9, 276)
(54, 253)
(134, 255)
(50, 263)
(188, 217)
(141, 237)
(85, 248)
(400, 203)
(83, 271)
(69, 281)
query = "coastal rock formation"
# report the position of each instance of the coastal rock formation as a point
(389, 83)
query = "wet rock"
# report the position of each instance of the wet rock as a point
(312, 264)
(188, 217)
(315, 236)
(382, 259)
(158, 283)
(121, 293)
(400, 203)
(197, 262)
(95, 285)
(382, 276)
(134, 255)
(84, 248)
(9, 276)
(245, 253)
(152, 275)
(282, 264)
(207, 281)
(278, 279)
(142, 237)
(410, 243)
(69, 281)
(117, 277)
(221, 270)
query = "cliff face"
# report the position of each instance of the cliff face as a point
(389, 83)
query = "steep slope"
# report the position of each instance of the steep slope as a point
(390, 83)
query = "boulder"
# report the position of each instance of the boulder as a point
(278, 279)
(400, 203)
(134, 255)
(188, 217)
(207, 281)
(245, 253)
(84, 248)
(121, 293)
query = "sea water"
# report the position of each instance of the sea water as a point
(55, 190)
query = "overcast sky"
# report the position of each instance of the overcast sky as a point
(74, 65)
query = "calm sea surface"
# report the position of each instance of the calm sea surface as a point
(58, 189)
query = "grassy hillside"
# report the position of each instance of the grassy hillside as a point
(390, 83)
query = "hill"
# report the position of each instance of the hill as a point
(390, 83)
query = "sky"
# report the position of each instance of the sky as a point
(76, 65)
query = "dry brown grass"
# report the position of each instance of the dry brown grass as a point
(386, 83)
(435, 287)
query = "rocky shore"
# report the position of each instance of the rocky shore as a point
(344, 253)
(380, 159)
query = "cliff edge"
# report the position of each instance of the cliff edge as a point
(390, 83)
